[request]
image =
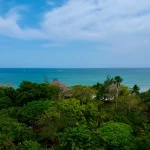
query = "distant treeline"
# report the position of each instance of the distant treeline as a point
(53, 116)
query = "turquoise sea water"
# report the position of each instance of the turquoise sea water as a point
(140, 76)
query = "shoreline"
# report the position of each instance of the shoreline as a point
(142, 88)
(75, 76)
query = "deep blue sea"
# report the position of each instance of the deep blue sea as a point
(140, 76)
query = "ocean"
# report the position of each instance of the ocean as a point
(139, 76)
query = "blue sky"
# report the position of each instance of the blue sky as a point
(74, 33)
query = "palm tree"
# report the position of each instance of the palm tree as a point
(117, 80)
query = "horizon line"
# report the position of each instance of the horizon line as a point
(74, 67)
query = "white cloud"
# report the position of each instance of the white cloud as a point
(112, 21)
(98, 19)
(9, 26)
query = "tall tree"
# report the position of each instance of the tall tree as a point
(117, 80)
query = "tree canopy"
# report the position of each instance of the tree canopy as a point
(54, 116)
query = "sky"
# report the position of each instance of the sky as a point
(74, 33)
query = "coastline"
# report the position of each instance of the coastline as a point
(75, 76)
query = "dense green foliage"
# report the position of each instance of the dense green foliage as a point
(32, 110)
(52, 116)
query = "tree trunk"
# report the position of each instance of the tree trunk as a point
(117, 94)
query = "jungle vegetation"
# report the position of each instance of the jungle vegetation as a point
(53, 116)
